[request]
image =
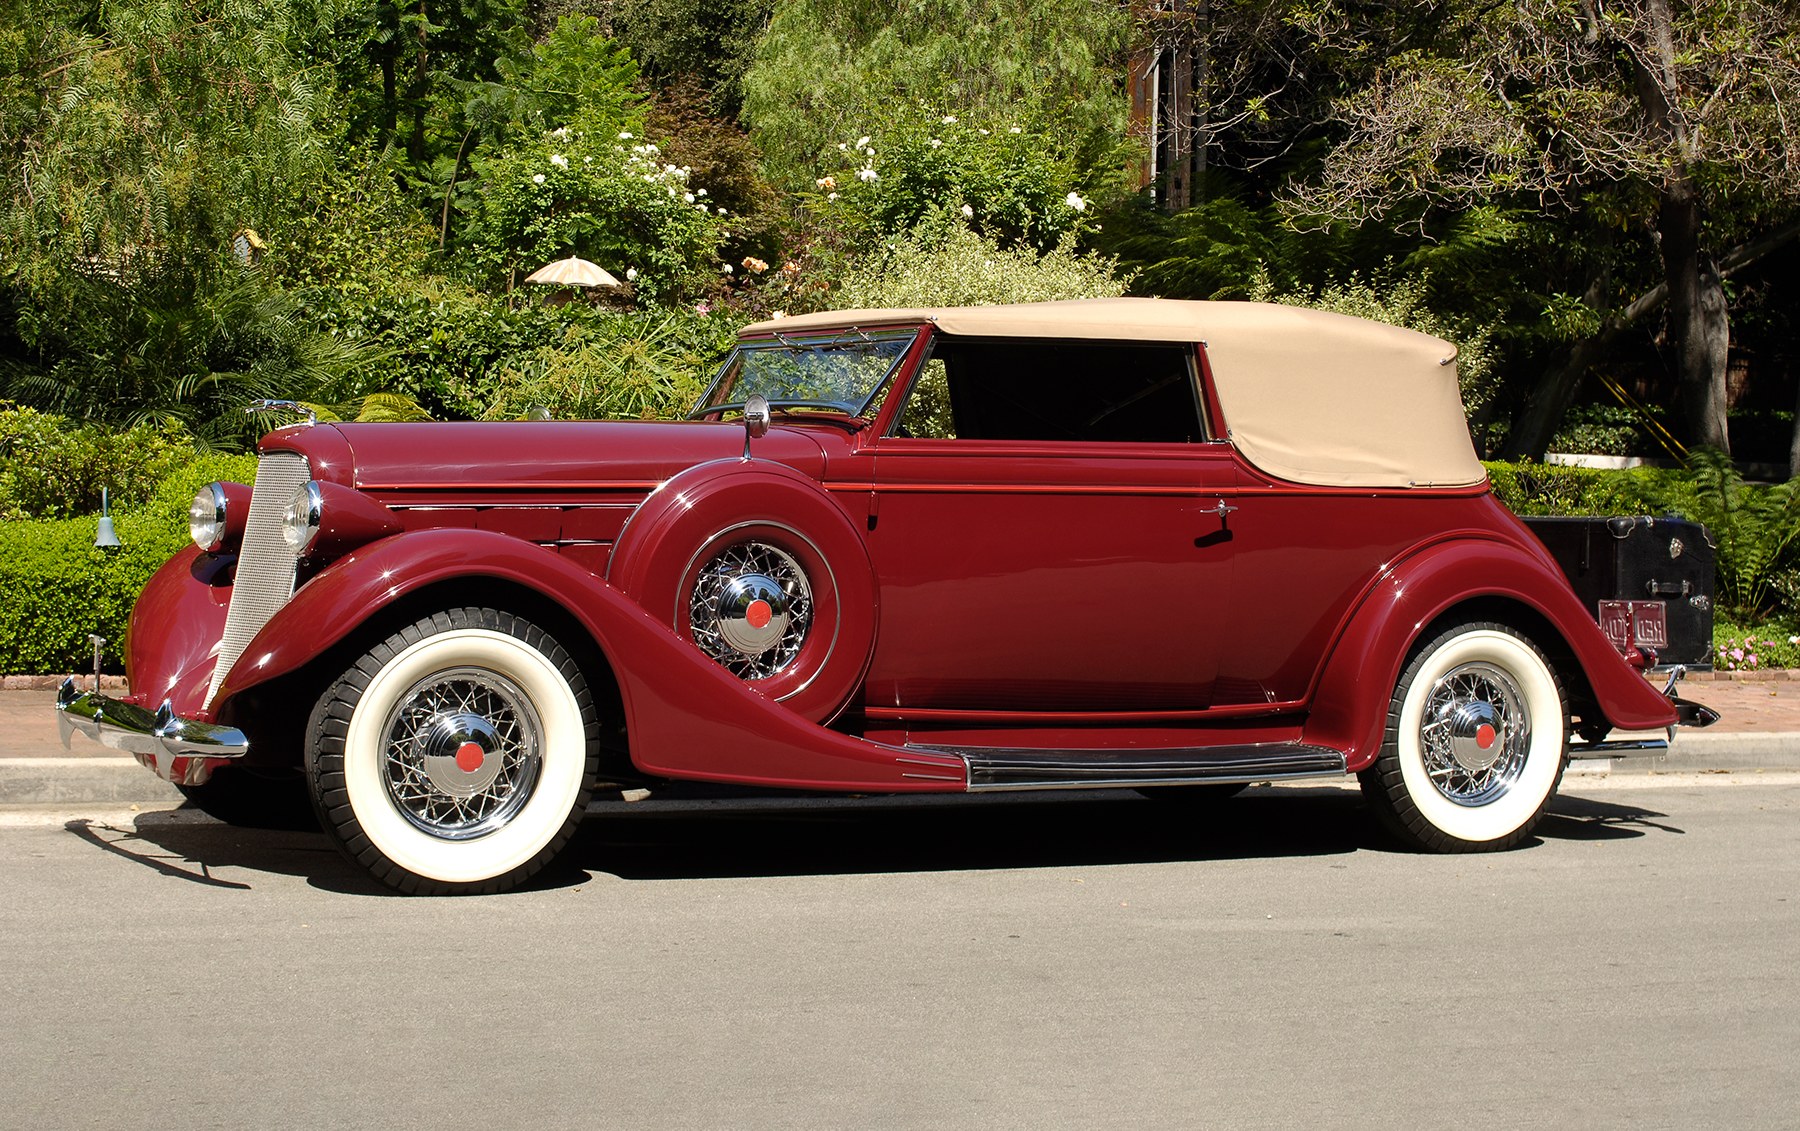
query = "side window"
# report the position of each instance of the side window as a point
(1008, 389)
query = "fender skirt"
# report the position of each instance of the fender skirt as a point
(1351, 699)
(686, 716)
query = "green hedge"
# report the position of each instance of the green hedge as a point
(1552, 489)
(58, 587)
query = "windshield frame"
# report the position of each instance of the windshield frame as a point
(813, 341)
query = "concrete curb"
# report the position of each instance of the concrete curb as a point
(81, 781)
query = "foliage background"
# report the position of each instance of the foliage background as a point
(203, 202)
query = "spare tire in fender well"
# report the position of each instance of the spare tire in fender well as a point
(767, 509)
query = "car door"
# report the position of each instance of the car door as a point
(1038, 558)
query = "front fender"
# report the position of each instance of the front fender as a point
(685, 715)
(1350, 703)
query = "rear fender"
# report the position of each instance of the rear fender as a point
(1351, 701)
(685, 715)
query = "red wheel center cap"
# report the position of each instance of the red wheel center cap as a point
(1485, 736)
(759, 614)
(469, 757)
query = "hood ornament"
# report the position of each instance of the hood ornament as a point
(256, 408)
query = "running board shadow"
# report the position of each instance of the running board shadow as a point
(993, 768)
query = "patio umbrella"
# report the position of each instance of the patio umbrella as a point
(572, 272)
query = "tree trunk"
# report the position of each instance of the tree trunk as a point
(1699, 319)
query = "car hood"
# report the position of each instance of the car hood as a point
(531, 453)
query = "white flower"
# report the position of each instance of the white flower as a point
(862, 141)
(726, 268)
(1013, 130)
(936, 144)
(688, 196)
(1073, 200)
(700, 208)
(968, 213)
(949, 119)
(722, 212)
(983, 133)
(866, 175)
(587, 160)
(871, 153)
(537, 178)
(843, 147)
(560, 132)
(831, 196)
(559, 161)
(631, 274)
(624, 136)
(671, 170)
(702, 192)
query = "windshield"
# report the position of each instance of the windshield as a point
(842, 373)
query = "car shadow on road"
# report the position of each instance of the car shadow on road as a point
(1010, 833)
(181, 844)
(966, 834)
(1574, 817)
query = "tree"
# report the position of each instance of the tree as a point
(1674, 121)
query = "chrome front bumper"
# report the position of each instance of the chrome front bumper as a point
(178, 750)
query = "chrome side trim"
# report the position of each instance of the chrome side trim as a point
(1619, 748)
(180, 750)
(992, 768)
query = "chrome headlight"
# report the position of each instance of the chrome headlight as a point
(207, 518)
(300, 523)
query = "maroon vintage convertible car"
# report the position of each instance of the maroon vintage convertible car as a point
(1116, 543)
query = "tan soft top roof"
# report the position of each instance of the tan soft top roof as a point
(1308, 395)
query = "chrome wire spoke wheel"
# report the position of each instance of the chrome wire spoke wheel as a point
(457, 755)
(1476, 738)
(1475, 734)
(462, 749)
(751, 609)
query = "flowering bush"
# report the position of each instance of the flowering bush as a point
(1736, 649)
(1001, 180)
(613, 200)
(945, 263)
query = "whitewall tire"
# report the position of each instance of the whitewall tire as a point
(456, 756)
(1477, 735)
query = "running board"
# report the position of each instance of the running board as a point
(994, 768)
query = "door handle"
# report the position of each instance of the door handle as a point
(1222, 510)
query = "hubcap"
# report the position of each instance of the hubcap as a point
(1474, 734)
(462, 753)
(750, 609)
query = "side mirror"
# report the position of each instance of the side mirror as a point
(756, 416)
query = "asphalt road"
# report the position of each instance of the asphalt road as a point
(1075, 964)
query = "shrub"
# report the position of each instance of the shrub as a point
(60, 587)
(609, 198)
(51, 467)
(1736, 648)
(1753, 527)
(633, 368)
(1004, 181)
(954, 266)
(1552, 489)
(1602, 430)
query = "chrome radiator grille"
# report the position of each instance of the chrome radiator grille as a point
(265, 566)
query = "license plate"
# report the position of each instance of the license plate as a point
(1635, 624)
